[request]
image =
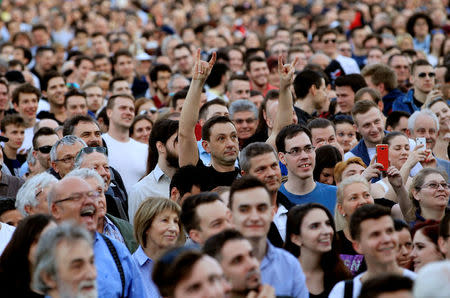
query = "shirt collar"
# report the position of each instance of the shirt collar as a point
(158, 173)
(270, 251)
(141, 257)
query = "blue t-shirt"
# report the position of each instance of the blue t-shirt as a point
(323, 194)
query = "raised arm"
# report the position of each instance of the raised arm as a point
(285, 105)
(188, 152)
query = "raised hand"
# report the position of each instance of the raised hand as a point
(394, 177)
(286, 72)
(202, 69)
(373, 170)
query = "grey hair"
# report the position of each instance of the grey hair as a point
(80, 158)
(433, 280)
(349, 181)
(86, 173)
(311, 59)
(425, 112)
(253, 150)
(243, 105)
(167, 40)
(30, 157)
(173, 78)
(65, 141)
(45, 262)
(26, 196)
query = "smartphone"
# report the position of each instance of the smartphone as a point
(383, 156)
(421, 141)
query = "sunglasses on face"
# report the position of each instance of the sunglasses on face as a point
(45, 149)
(424, 74)
(326, 41)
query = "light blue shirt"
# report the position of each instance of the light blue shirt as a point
(283, 272)
(110, 230)
(145, 265)
(206, 157)
(108, 278)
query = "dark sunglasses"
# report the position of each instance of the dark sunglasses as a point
(89, 150)
(424, 74)
(45, 149)
(329, 40)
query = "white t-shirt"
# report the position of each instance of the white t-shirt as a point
(339, 288)
(129, 158)
(6, 233)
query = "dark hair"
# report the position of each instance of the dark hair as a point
(400, 225)
(217, 72)
(429, 228)
(137, 119)
(362, 107)
(388, 137)
(341, 119)
(178, 95)
(319, 123)
(417, 63)
(189, 217)
(14, 264)
(444, 226)
(121, 52)
(73, 92)
(174, 266)
(394, 118)
(113, 81)
(413, 19)
(327, 156)
(370, 211)
(41, 50)
(252, 150)
(184, 178)
(288, 132)
(181, 46)
(330, 262)
(112, 99)
(304, 80)
(48, 76)
(206, 129)
(214, 244)
(244, 183)
(81, 58)
(158, 68)
(322, 33)
(354, 81)
(204, 108)
(43, 131)
(7, 204)
(385, 283)
(252, 59)
(25, 88)
(69, 124)
(14, 119)
(162, 130)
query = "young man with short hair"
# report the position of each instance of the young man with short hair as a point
(311, 92)
(252, 214)
(238, 87)
(374, 236)
(25, 100)
(54, 88)
(204, 215)
(75, 103)
(258, 73)
(159, 79)
(346, 88)
(13, 128)
(123, 64)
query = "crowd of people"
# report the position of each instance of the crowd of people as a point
(224, 148)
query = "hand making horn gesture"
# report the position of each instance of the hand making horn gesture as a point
(202, 69)
(286, 72)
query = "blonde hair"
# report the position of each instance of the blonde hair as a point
(147, 212)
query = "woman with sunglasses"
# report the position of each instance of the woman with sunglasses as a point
(429, 192)
(311, 237)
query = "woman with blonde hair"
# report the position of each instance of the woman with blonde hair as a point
(157, 228)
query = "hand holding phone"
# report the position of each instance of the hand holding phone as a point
(383, 156)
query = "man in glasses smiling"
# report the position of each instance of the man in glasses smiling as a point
(423, 80)
(63, 154)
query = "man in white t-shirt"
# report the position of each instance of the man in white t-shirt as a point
(373, 234)
(6, 232)
(126, 155)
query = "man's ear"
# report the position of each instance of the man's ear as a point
(174, 194)
(281, 157)
(53, 164)
(408, 133)
(195, 236)
(27, 209)
(355, 127)
(16, 107)
(55, 212)
(205, 146)
(357, 247)
(49, 280)
(108, 113)
(313, 90)
(160, 147)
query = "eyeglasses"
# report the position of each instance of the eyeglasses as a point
(80, 195)
(38, 192)
(434, 185)
(248, 120)
(326, 41)
(45, 149)
(296, 151)
(424, 74)
(68, 159)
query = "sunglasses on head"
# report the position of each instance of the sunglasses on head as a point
(45, 149)
(424, 74)
(89, 150)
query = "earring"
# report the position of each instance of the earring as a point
(344, 215)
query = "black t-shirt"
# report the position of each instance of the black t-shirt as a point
(212, 178)
(48, 115)
(353, 260)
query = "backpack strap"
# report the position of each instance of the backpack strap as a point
(115, 256)
(348, 290)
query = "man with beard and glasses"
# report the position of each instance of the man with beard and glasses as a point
(65, 263)
(240, 266)
(161, 165)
